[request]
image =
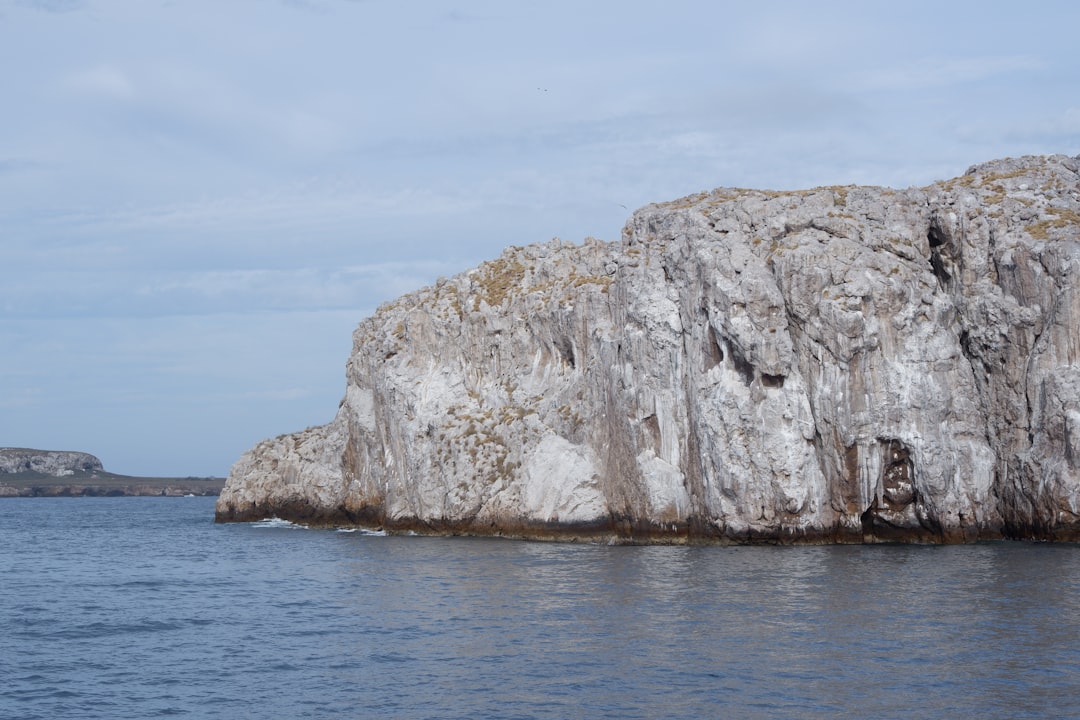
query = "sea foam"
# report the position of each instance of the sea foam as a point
(276, 522)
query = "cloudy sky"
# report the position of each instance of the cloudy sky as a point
(199, 199)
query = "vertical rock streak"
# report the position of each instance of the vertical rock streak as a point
(838, 364)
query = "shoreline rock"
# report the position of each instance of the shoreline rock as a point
(839, 364)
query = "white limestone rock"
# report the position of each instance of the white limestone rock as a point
(835, 364)
(56, 463)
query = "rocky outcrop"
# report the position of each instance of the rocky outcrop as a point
(838, 364)
(57, 463)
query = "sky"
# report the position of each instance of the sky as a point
(200, 199)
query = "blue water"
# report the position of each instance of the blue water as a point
(142, 607)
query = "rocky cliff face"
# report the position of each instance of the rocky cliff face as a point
(57, 463)
(837, 364)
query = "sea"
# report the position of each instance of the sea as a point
(143, 607)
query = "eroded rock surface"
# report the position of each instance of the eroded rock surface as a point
(837, 364)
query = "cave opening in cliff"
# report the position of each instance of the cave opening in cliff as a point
(772, 381)
(867, 520)
(935, 237)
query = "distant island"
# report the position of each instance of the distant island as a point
(26, 472)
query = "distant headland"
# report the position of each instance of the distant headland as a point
(26, 472)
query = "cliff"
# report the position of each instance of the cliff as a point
(840, 364)
(56, 463)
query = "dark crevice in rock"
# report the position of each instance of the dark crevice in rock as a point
(566, 351)
(937, 266)
(741, 365)
(938, 239)
(981, 370)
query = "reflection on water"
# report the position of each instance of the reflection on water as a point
(131, 607)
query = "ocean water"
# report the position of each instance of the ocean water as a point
(142, 607)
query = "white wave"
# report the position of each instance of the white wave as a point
(362, 531)
(276, 522)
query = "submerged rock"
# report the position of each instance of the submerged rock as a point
(838, 364)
